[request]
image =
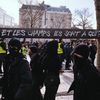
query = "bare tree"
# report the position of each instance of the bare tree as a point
(82, 19)
(58, 20)
(31, 16)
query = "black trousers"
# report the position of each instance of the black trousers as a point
(51, 84)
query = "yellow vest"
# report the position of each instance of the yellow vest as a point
(24, 51)
(59, 50)
(2, 50)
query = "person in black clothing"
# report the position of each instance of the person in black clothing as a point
(68, 50)
(17, 79)
(37, 73)
(61, 50)
(86, 84)
(52, 68)
(93, 51)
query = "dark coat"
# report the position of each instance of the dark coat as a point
(52, 61)
(52, 67)
(17, 78)
(37, 76)
(93, 51)
(86, 84)
(37, 70)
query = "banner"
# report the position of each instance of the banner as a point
(48, 33)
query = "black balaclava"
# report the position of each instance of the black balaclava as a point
(82, 50)
(52, 47)
(14, 46)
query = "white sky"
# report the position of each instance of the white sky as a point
(12, 6)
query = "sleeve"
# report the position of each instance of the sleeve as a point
(25, 88)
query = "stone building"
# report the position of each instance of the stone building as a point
(5, 19)
(44, 16)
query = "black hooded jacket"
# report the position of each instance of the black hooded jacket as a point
(17, 77)
(86, 84)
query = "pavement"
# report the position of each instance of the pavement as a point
(66, 80)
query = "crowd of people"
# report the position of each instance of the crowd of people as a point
(23, 80)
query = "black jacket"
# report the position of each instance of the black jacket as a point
(17, 78)
(37, 70)
(86, 84)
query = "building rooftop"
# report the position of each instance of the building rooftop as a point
(49, 8)
(59, 9)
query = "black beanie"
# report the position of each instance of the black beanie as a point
(82, 49)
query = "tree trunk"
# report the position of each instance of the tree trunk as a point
(97, 8)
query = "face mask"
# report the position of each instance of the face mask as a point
(77, 59)
(13, 50)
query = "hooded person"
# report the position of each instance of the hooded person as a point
(52, 69)
(82, 50)
(17, 78)
(86, 84)
(37, 73)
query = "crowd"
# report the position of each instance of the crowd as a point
(22, 80)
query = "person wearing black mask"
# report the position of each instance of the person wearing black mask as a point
(52, 69)
(86, 84)
(17, 79)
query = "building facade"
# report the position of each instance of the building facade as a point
(44, 16)
(5, 19)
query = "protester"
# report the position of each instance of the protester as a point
(93, 50)
(17, 79)
(37, 73)
(68, 49)
(60, 50)
(24, 49)
(86, 84)
(52, 68)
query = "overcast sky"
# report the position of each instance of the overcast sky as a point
(12, 6)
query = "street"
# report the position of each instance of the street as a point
(66, 80)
